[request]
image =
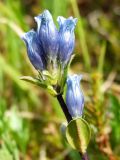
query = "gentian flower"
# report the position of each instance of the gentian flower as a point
(49, 49)
(34, 50)
(74, 96)
(48, 34)
(66, 38)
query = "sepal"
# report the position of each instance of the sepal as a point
(51, 78)
(33, 81)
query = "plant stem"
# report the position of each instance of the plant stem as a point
(69, 118)
(81, 34)
(85, 156)
(102, 57)
(64, 107)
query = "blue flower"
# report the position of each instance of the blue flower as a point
(66, 38)
(48, 34)
(49, 49)
(74, 96)
(34, 50)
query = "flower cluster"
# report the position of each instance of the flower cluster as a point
(49, 49)
(74, 96)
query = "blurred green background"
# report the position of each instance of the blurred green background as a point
(30, 119)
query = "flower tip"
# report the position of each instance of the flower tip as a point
(23, 37)
(75, 20)
(47, 15)
(61, 20)
(47, 12)
(27, 37)
(36, 18)
(74, 77)
(80, 77)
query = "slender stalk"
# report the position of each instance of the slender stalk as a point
(64, 107)
(85, 156)
(81, 34)
(102, 57)
(69, 118)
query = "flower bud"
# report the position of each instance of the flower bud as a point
(66, 38)
(34, 50)
(47, 34)
(74, 96)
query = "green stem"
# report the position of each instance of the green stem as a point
(64, 107)
(102, 57)
(85, 156)
(81, 35)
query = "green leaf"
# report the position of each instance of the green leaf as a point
(78, 134)
(12, 72)
(5, 155)
(51, 90)
(42, 84)
(33, 80)
(10, 146)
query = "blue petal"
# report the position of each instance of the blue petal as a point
(66, 37)
(61, 20)
(34, 50)
(48, 34)
(74, 96)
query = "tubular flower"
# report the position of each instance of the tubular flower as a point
(49, 44)
(74, 96)
(50, 49)
(34, 50)
(66, 38)
(48, 34)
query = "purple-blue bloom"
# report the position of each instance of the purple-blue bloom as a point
(66, 38)
(47, 45)
(34, 50)
(74, 96)
(48, 34)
